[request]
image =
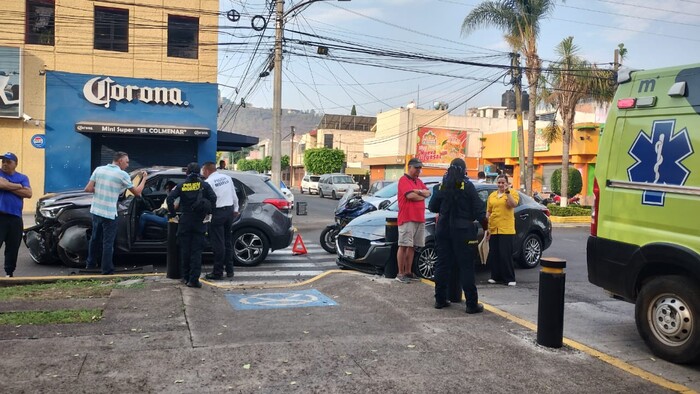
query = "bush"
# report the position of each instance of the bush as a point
(575, 182)
(556, 210)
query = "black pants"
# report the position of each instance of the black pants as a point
(190, 236)
(221, 242)
(453, 249)
(11, 228)
(501, 257)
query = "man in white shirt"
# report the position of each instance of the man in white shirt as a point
(222, 219)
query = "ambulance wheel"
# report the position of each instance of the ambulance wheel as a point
(667, 313)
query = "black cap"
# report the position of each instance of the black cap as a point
(415, 163)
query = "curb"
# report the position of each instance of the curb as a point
(570, 219)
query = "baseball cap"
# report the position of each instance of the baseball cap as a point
(415, 163)
(10, 156)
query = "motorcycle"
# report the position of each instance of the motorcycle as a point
(349, 207)
(555, 199)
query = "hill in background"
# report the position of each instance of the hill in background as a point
(257, 122)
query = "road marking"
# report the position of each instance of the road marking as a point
(293, 299)
(240, 274)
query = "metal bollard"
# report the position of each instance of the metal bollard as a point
(173, 261)
(391, 235)
(550, 307)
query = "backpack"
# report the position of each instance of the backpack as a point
(201, 206)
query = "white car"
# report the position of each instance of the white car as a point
(310, 184)
(287, 194)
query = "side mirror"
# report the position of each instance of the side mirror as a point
(384, 204)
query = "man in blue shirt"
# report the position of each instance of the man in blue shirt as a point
(13, 188)
(107, 183)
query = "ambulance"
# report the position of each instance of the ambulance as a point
(644, 245)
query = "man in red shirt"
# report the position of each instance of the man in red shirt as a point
(412, 194)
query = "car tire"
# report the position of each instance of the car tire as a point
(320, 193)
(250, 247)
(301, 189)
(667, 312)
(530, 251)
(424, 261)
(333, 195)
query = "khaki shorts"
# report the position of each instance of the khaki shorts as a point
(412, 234)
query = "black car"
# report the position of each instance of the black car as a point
(63, 220)
(361, 245)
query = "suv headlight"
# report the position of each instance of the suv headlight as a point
(52, 211)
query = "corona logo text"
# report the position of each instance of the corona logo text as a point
(102, 91)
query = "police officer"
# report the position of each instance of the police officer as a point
(458, 205)
(221, 221)
(196, 201)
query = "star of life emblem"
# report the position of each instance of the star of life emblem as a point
(658, 159)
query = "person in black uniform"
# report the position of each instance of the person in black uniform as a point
(458, 205)
(196, 201)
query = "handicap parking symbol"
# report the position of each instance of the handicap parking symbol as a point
(293, 299)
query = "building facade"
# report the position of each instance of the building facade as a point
(98, 77)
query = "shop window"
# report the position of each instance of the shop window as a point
(40, 22)
(183, 37)
(328, 141)
(111, 29)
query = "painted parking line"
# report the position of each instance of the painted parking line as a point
(240, 273)
(290, 299)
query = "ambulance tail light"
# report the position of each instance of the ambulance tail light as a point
(626, 103)
(594, 212)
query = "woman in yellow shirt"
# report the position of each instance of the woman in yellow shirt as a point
(501, 233)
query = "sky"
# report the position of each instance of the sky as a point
(361, 33)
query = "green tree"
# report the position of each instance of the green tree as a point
(284, 162)
(353, 111)
(575, 185)
(243, 165)
(266, 164)
(520, 21)
(571, 80)
(323, 160)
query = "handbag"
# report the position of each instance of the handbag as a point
(483, 250)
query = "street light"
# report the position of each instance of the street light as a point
(281, 15)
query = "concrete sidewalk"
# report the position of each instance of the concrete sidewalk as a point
(380, 336)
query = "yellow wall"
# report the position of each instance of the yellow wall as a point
(73, 52)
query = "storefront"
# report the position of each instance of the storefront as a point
(157, 122)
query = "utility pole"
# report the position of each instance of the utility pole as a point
(518, 89)
(277, 96)
(291, 161)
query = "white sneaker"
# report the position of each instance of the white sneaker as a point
(511, 283)
(491, 281)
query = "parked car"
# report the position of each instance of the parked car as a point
(287, 194)
(389, 192)
(63, 221)
(361, 244)
(336, 185)
(378, 185)
(310, 184)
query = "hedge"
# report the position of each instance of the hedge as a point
(556, 210)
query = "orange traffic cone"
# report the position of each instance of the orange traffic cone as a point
(298, 247)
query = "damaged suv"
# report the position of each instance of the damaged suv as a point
(64, 223)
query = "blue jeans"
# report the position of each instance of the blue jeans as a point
(104, 231)
(150, 217)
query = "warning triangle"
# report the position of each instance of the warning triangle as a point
(298, 247)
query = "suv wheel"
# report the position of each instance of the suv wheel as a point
(250, 247)
(333, 195)
(424, 261)
(530, 251)
(320, 192)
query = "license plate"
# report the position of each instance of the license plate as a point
(349, 253)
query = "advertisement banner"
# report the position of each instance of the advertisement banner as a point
(10, 80)
(438, 147)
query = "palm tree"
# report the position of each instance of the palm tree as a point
(520, 21)
(571, 80)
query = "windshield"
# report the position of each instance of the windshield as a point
(388, 191)
(340, 179)
(315, 178)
